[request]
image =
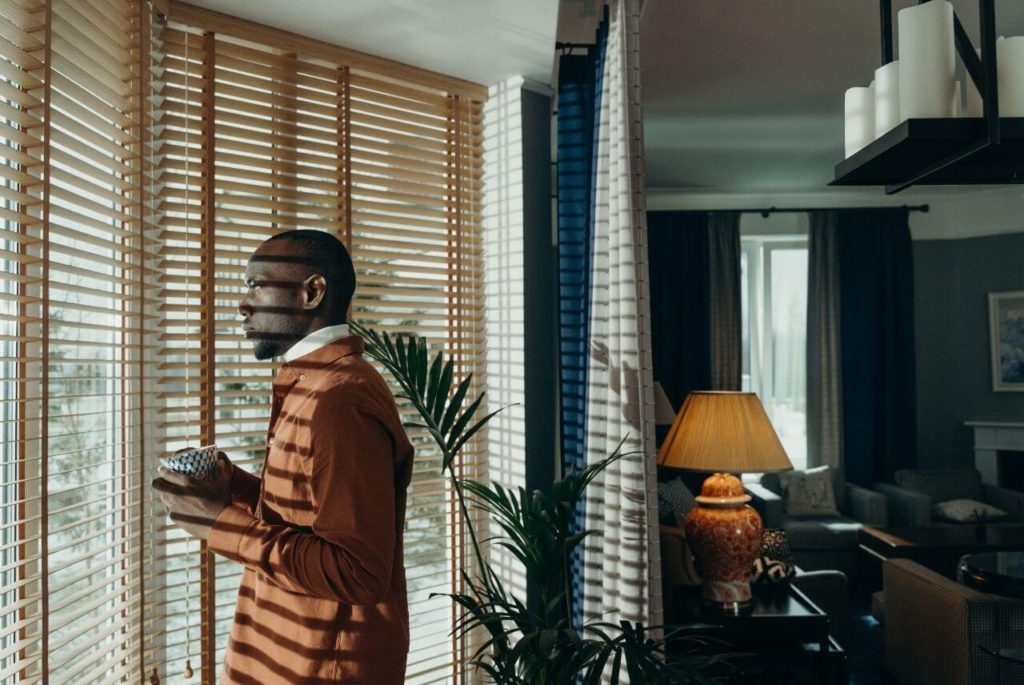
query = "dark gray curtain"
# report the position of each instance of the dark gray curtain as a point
(824, 353)
(726, 325)
(677, 248)
(694, 262)
(877, 343)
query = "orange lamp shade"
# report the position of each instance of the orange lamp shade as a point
(723, 431)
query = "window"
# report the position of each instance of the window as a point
(74, 349)
(141, 165)
(773, 269)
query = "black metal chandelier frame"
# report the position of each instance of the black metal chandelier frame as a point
(969, 150)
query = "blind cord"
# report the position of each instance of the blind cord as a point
(188, 300)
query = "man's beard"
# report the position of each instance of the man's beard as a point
(268, 348)
(267, 345)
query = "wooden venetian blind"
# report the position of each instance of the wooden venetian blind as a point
(266, 131)
(75, 300)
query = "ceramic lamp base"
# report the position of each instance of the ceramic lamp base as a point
(725, 536)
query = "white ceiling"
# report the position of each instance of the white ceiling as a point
(747, 95)
(485, 41)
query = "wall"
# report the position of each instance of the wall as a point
(520, 296)
(952, 279)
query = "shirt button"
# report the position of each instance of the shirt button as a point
(302, 376)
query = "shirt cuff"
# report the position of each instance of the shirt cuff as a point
(228, 530)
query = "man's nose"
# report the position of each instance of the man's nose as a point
(244, 308)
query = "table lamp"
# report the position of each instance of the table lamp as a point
(726, 433)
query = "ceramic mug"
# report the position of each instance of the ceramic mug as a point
(199, 463)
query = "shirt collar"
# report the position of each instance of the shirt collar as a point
(314, 364)
(315, 341)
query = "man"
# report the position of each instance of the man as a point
(323, 597)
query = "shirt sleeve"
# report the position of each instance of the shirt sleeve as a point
(349, 554)
(245, 489)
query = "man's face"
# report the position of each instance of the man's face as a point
(273, 315)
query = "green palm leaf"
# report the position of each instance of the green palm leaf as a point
(524, 646)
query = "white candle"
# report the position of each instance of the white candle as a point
(927, 60)
(887, 97)
(860, 118)
(1010, 67)
(975, 107)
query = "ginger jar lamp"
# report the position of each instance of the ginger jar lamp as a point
(726, 433)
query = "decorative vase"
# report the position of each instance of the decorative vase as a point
(725, 535)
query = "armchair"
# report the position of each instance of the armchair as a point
(914, 492)
(820, 542)
(938, 631)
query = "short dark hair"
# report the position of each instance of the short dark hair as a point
(326, 255)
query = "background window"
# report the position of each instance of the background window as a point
(773, 269)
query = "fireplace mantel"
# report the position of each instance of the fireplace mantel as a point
(994, 440)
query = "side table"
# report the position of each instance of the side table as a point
(783, 630)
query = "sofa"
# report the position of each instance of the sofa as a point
(939, 632)
(820, 542)
(914, 492)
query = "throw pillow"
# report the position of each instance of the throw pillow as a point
(774, 563)
(941, 485)
(966, 511)
(809, 493)
(674, 498)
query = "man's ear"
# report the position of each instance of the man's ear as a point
(313, 290)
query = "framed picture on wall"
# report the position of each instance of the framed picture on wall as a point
(1006, 328)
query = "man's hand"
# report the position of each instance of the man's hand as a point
(194, 504)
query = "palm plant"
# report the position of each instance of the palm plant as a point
(523, 645)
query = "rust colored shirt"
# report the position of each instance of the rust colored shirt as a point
(323, 597)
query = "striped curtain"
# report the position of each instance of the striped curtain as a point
(609, 376)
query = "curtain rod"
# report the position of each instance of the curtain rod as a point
(765, 211)
(567, 48)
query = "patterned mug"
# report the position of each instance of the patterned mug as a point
(199, 463)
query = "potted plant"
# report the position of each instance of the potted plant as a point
(540, 644)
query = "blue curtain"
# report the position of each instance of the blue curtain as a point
(575, 171)
(579, 94)
(876, 277)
